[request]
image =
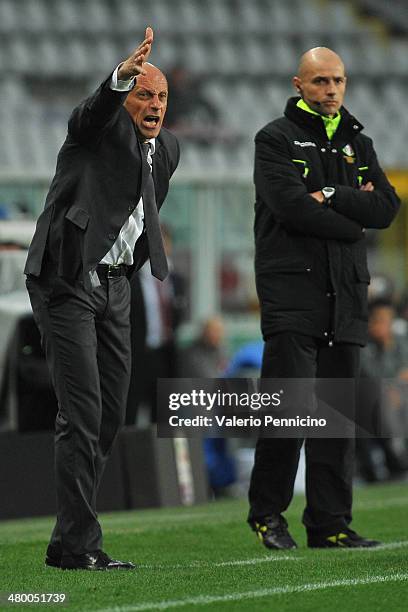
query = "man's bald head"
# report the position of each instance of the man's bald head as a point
(316, 57)
(147, 102)
(321, 80)
(154, 78)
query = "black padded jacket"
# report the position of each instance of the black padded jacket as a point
(311, 260)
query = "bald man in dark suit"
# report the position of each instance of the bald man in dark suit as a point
(99, 225)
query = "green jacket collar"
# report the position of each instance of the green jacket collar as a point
(330, 123)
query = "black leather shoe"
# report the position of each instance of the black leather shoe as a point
(94, 561)
(53, 556)
(273, 532)
(344, 539)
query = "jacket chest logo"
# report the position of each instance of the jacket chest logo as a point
(349, 154)
(304, 144)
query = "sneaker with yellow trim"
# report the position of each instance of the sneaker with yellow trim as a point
(273, 532)
(344, 539)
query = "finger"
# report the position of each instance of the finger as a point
(141, 55)
(148, 39)
(142, 48)
(137, 67)
(146, 43)
(140, 52)
(147, 53)
(149, 33)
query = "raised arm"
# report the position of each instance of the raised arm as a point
(93, 115)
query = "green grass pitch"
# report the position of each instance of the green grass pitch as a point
(206, 558)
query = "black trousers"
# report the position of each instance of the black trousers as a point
(329, 462)
(86, 338)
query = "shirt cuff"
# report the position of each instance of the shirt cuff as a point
(117, 85)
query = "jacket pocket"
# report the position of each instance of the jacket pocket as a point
(360, 291)
(78, 216)
(286, 284)
(289, 265)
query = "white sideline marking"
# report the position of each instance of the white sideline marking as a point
(202, 600)
(194, 564)
(255, 561)
(271, 559)
(386, 546)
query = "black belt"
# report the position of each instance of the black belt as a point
(111, 270)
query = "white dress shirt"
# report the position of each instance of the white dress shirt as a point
(122, 249)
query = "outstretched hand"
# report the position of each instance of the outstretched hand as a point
(133, 65)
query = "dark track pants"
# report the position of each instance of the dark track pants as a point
(86, 338)
(329, 462)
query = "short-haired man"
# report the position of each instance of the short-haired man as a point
(318, 186)
(100, 223)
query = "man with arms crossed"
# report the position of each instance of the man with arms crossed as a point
(318, 186)
(100, 223)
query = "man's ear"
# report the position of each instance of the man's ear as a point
(297, 84)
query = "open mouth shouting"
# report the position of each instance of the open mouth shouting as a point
(151, 121)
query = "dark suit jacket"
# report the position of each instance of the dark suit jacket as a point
(100, 176)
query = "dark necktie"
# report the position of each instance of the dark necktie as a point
(158, 260)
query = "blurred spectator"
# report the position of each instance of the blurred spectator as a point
(26, 379)
(381, 288)
(189, 114)
(400, 325)
(157, 309)
(384, 357)
(247, 361)
(205, 359)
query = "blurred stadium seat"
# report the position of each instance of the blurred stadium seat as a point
(237, 49)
